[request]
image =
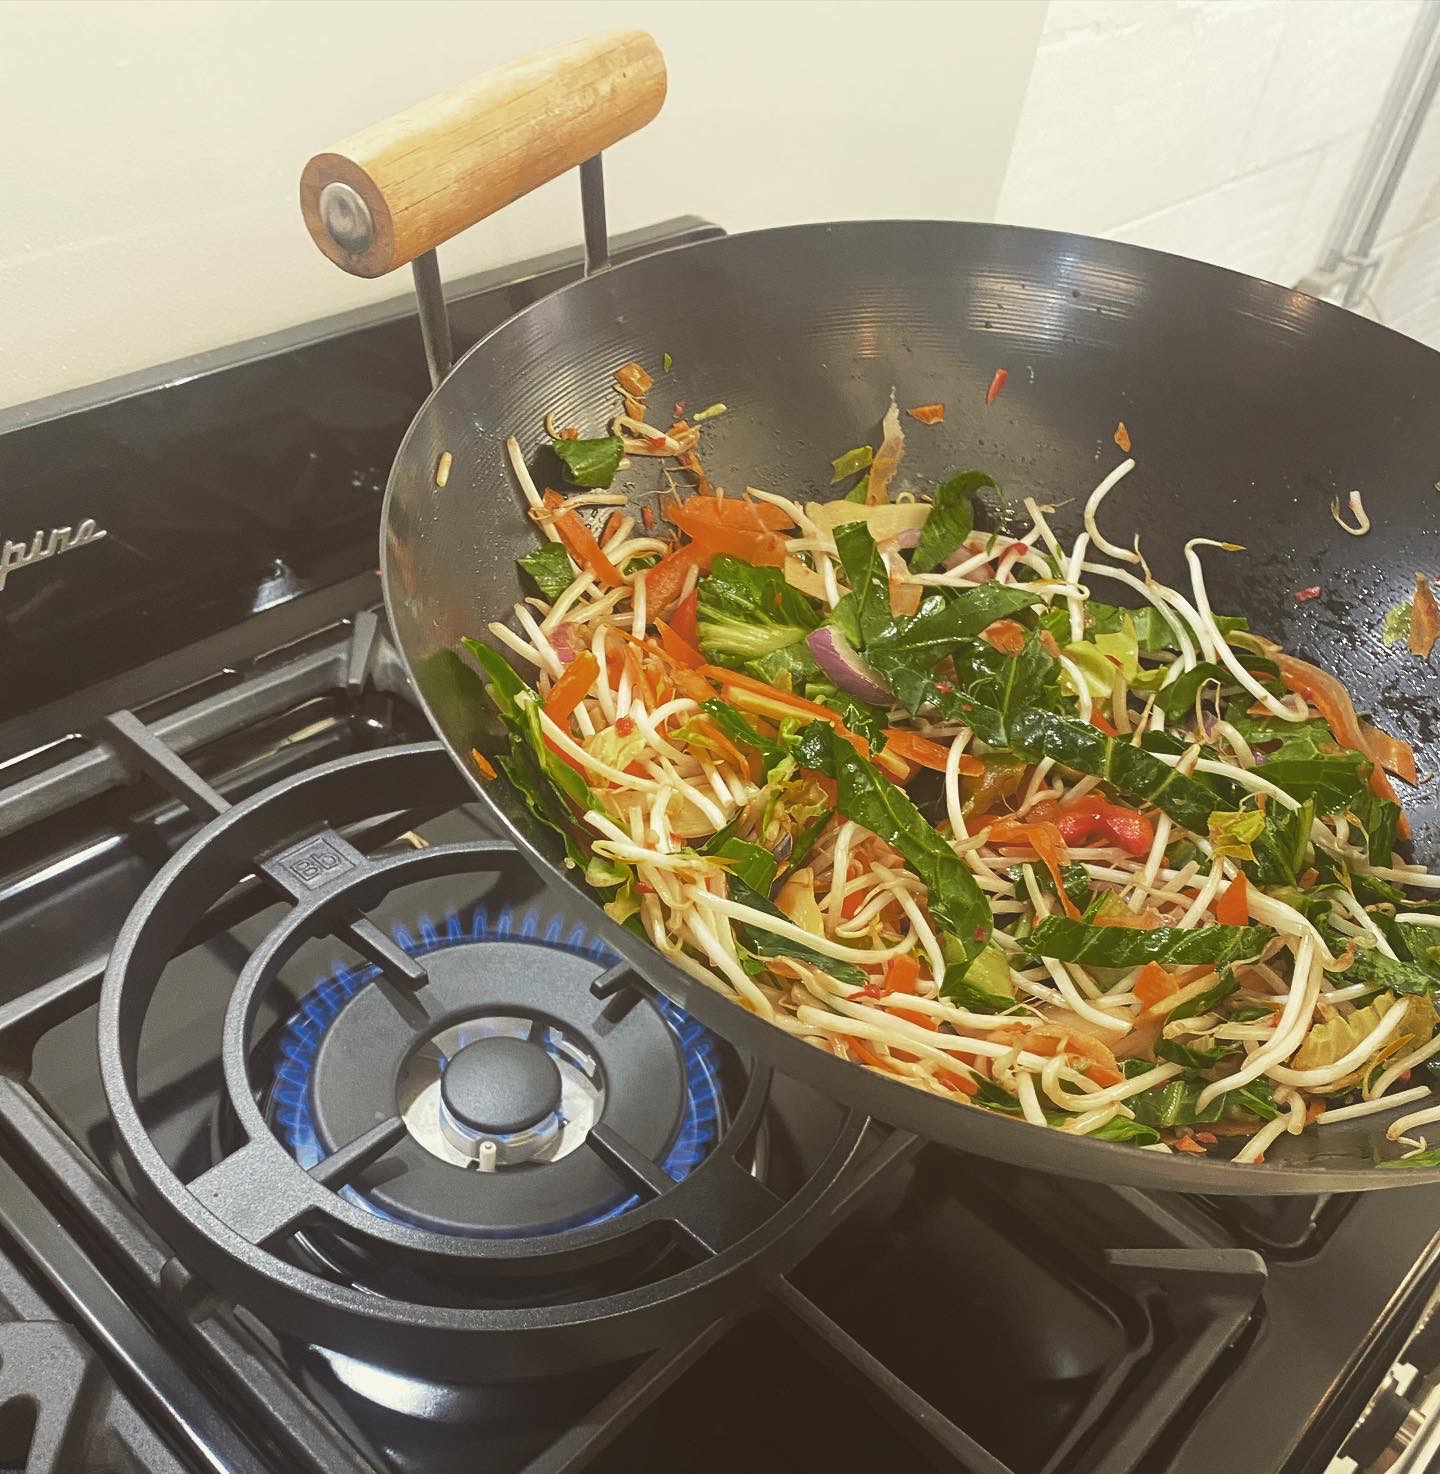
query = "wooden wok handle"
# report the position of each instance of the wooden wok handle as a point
(397, 189)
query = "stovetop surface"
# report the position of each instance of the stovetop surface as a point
(928, 1311)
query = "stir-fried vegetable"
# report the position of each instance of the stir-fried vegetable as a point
(1424, 619)
(590, 462)
(906, 790)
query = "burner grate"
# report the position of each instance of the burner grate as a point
(250, 1221)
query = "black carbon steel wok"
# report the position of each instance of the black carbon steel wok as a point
(1250, 407)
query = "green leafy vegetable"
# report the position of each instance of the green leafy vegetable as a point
(1380, 819)
(1370, 889)
(1179, 696)
(770, 944)
(1311, 738)
(537, 773)
(551, 568)
(1068, 940)
(1075, 877)
(1175, 1103)
(666, 362)
(590, 463)
(982, 985)
(1255, 1099)
(745, 612)
(850, 462)
(862, 718)
(865, 795)
(1429, 1158)
(751, 864)
(1138, 774)
(950, 520)
(804, 843)
(1152, 632)
(908, 650)
(1282, 848)
(1099, 674)
(1399, 976)
(794, 661)
(1121, 1128)
(1121, 650)
(737, 726)
(1331, 783)
(1205, 1000)
(989, 687)
(603, 873)
(995, 1098)
(1193, 1056)
(1422, 945)
(868, 578)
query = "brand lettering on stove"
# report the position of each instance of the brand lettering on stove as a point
(40, 547)
(315, 862)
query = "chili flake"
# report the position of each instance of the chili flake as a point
(1303, 596)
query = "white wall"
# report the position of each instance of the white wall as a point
(152, 151)
(1225, 130)
(152, 148)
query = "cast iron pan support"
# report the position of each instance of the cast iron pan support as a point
(395, 191)
(233, 1221)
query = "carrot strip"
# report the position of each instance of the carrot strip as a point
(570, 690)
(1047, 842)
(901, 975)
(742, 515)
(677, 647)
(687, 618)
(763, 549)
(1006, 635)
(963, 1083)
(580, 543)
(1153, 984)
(1233, 907)
(665, 579)
(922, 751)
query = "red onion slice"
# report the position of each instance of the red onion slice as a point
(838, 659)
(562, 637)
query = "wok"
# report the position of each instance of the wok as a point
(1250, 408)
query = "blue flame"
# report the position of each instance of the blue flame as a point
(300, 1041)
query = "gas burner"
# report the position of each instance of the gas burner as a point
(487, 1147)
(513, 1073)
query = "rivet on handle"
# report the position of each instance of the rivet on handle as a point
(347, 217)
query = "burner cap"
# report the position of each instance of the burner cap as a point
(495, 1146)
(499, 1085)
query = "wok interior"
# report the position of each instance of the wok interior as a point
(1249, 407)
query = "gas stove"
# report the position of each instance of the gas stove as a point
(331, 1140)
